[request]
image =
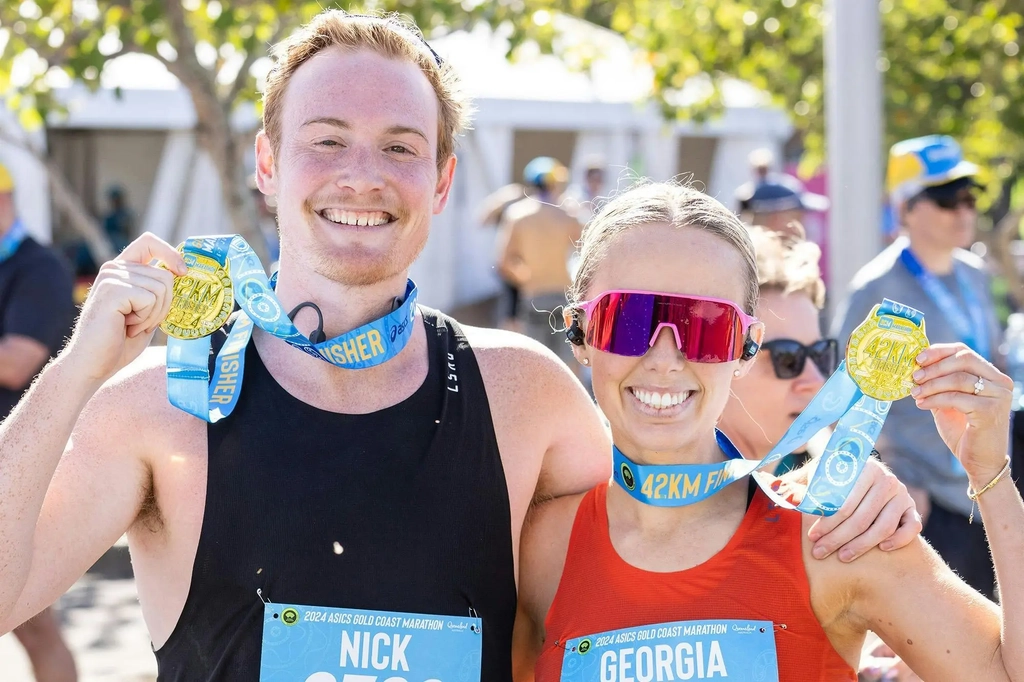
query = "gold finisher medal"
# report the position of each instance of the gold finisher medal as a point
(881, 356)
(202, 301)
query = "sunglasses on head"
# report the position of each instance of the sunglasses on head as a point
(395, 25)
(628, 323)
(789, 356)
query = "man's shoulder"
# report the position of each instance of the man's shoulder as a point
(513, 362)
(520, 209)
(139, 390)
(39, 258)
(35, 252)
(500, 347)
(879, 269)
(971, 260)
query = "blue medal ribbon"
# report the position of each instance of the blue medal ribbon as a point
(833, 475)
(12, 240)
(188, 377)
(970, 326)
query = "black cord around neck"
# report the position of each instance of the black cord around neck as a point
(317, 335)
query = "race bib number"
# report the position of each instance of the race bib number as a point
(684, 650)
(317, 644)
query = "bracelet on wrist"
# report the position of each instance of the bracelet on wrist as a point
(973, 495)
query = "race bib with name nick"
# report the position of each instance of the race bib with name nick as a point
(318, 644)
(683, 650)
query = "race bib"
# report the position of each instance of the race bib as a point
(317, 644)
(683, 650)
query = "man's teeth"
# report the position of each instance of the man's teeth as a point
(660, 400)
(356, 218)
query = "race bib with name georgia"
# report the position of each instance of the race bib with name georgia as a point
(683, 650)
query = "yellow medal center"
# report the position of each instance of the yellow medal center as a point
(202, 299)
(881, 357)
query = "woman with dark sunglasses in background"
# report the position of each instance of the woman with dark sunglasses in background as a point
(622, 587)
(795, 360)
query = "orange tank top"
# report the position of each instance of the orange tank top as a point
(758, 575)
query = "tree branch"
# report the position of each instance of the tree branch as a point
(57, 56)
(250, 58)
(184, 38)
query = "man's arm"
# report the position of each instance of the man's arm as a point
(38, 315)
(542, 417)
(20, 358)
(128, 301)
(93, 493)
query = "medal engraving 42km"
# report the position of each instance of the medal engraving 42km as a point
(202, 299)
(881, 356)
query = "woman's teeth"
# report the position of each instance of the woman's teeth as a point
(660, 401)
(356, 218)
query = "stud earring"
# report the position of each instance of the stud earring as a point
(585, 361)
(735, 372)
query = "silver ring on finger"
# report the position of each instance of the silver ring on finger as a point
(979, 386)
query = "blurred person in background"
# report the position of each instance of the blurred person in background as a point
(779, 203)
(586, 197)
(36, 313)
(119, 221)
(492, 213)
(933, 190)
(761, 161)
(537, 238)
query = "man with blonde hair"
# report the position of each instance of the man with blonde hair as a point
(342, 525)
(400, 488)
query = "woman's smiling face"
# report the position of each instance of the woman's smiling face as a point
(661, 403)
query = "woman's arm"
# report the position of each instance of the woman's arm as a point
(941, 627)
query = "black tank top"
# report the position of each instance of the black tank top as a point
(405, 510)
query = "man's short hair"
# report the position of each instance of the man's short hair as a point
(388, 36)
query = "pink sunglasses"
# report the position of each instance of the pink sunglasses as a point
(706, 329)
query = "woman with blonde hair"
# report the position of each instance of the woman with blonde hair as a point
(624, 584)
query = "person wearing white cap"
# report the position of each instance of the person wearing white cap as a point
(932, 189)
(36, 312)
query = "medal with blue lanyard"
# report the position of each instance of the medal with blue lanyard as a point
(880, 361)
(12, 240)
(224, 270)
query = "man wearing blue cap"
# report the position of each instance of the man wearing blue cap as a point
(932, 189)
(537, 237)
(778, 202)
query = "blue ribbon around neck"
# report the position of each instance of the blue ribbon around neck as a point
(832, 477)
(189, 386)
